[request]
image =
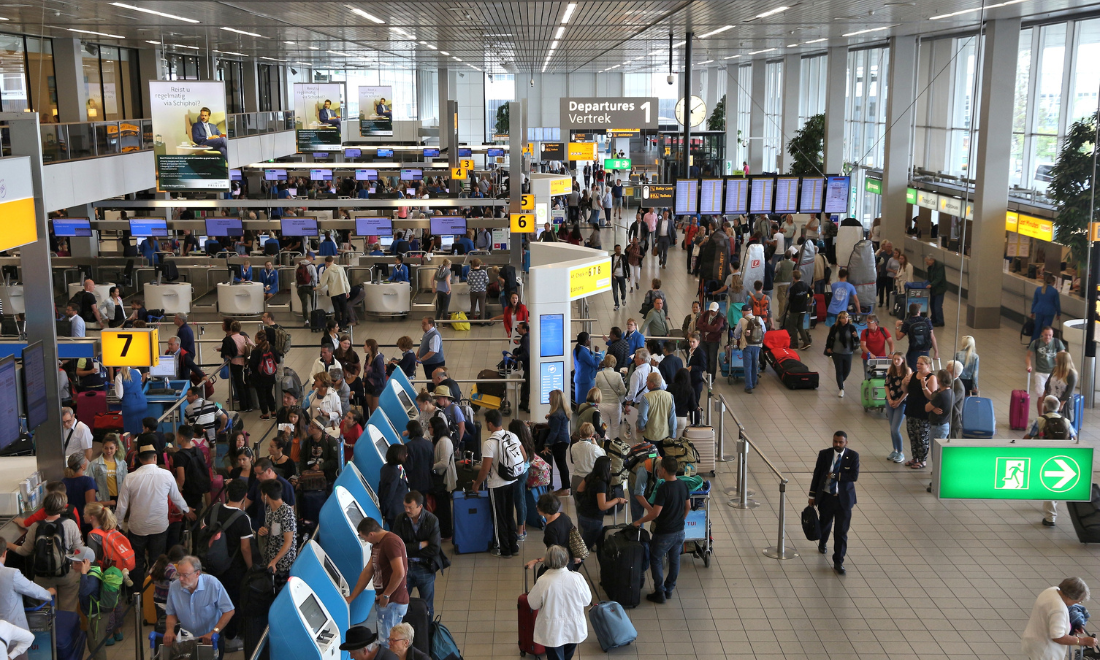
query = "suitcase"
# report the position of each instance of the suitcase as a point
(1019, 407)
(977, 417)
(90, 404)
(734, 364)
(417, 617)
(623, 554)
(820, 309)
(473, 522)
(873, 394)
(527, 624)
(310, 503)
(1076, 411)
(800, 380)
(148, 607)
(467, 472)
(1086, 517)
(611, 625)
(317, 319)
(532, 497)
(702, 438)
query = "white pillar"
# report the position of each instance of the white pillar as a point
(68, 65)
(732, 71)
(756, 118)
(792, 85)
(992, 158)
(897, 154)
(836, 82)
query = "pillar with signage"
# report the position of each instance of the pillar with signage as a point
(543, 188)
(560, 273)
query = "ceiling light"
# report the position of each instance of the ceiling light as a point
(150, 11)
(569, 9)
(229, 52)
(815, 41)
(975, 9)
(561, 31)
(554, 45)
(313, 47)
(443, 52)
(731, 57)
(368, 16)
(714, 32)
(792, 45)
(402, 32)
(182, 46)
(291, 43)
(656, 52)
(336, 52)
(878, 29)
(423, 43)
(772, 12)
(456, 59)
(614, 67)
(251, 34)
(679, 44)
(4, 19)
(101, 34)
(706, 62)
(272, 59)
(640, 57)
(155, 43)
(757, 52)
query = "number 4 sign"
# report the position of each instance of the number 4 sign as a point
(136, 347)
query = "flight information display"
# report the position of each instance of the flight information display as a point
(813, 189)
(737, 196)
(465, 152)
(373, 226)
(366, 175)
(384, 153)
(274, 175)
(412, 175)
(431, 152)
(80, 227)
(687, 196)
(353, 153)
(320, 175)
(298, 226)
(710, 196)
(448, 226)
(148, 227)
(494, 153)
(836, 194)
(34, 377)
(786, 194)
(224, 227)
(9, 402)
(761, 194)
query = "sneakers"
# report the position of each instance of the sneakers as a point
(893, 455)
(616, 308)
(1048, 523)
(748, 390)
(234, 645)
(521, 537)
(840, 394)
(900, 458)
(118, 636)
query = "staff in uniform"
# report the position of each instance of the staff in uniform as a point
(833, 490)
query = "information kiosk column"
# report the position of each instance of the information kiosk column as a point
(338, 535)
(545, 187)
(301, 626)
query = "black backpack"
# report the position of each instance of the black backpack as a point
(49, 549)
(920, 335)
(213, 546)
(196, 476)
(1056, 428)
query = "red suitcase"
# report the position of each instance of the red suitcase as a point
(1020, 407)
(90, 404)
(527, 624)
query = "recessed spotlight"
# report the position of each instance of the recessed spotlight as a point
(251, 34)
(714, 32)
(150, 11)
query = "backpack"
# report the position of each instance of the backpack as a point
(112, 549)
(617, 450)
(759, 305)
(213, 546)
(283, 340)
(301, 275)
(510, 458)
(443, 643)
(267, 364)
(920, 336)
(684, 452)
(539, 474)
(110, 582)
(49, 550)
(1056, 428)
(441, 273)
(755, 332)
(196, 477)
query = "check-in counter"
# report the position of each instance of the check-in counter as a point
(244, 299)
(172, 298)
(387, 298)
(102, 291)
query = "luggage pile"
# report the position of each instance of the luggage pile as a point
(794, 374)
(873, 390)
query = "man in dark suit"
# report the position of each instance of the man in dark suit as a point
(833, 489)
(205, 133)
(328, 116)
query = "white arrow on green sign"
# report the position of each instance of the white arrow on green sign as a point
(1006, 470)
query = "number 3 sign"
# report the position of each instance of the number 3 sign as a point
(136, 347)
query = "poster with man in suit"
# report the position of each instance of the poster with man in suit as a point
(318, 114)
(375, 111)
(190, 143)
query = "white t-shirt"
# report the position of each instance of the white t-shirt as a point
(80, 440)
(780, 242)
(489, 450)
(1049, 620)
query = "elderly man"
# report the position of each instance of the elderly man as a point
(430, 354)
(656, 411)
(144, 495)
(441, 377)
(75, 434)
(362, 645)
(184, 332)
(185, 363)
(636, 388)
(199, 603)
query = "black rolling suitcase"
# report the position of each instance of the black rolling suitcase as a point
(1086, 517)
(623, 553)
(317, 319)
(417, 617)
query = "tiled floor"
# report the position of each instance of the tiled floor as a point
(926, 579)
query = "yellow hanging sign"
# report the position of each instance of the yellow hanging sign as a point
(522, 223)
(136, 347)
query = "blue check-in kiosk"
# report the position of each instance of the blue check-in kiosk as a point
(315, 567)
(406, 384)
(301, 625)
(356, 484)
(370, 449)
(340, 516)
(398, 404)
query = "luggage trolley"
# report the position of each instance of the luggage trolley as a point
(697, 525)
(873, 390)
(917, 292)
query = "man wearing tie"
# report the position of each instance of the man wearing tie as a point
(833, 489)
(328, 116)
(381, 109)
(207, 134)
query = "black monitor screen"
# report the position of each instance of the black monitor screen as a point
(494, 153)
(9, 402)
(146, 227)
(464, 152)
(274, 175)
(72, 227)
(385, 153)
(298, 226)
(448, 225)
(353, 153)
(431, 153)
(224, 227)
(366, 175)
(412, 175)
(373, 226)
(313, 614)
(34, 378)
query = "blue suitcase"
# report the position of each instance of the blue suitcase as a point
(473, 522)
(1076, 411)
(533, 495)
(977, 418)
(611, 625)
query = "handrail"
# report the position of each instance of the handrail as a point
(179, 402)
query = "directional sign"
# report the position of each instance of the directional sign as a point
(466, 163)
(458, 173)
(1005, 470)
(523, 223)
(136, 347)
(527, 203)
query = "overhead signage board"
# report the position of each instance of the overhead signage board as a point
(527, 203)
(951, 206)
(466, 163)
(582, 151)
(1012, 221)
(616, 164)
(911, 196)
(927, 200)
(190, 149)
(1040, 228)
(1012, 470)
(658, 192)
(872, 186)
(17, 214)
(135, 347)
(623, 132)
(589, 279)
(458, 173)
(552, 151)
(604, 113)
(562, 186)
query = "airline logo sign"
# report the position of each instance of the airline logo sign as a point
(624, 113)
(561, 186)
(17, 215)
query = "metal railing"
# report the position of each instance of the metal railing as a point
(780, 549)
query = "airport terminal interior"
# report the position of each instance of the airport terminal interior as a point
(336, 167)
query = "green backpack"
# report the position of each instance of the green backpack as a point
(110, 583)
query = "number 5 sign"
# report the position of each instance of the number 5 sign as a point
(136, 347)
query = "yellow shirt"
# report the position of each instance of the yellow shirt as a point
(112, 480)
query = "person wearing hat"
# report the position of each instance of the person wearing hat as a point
(363, 645)
(456, 421)
(711, 327)
(67, 585)
(145, 496)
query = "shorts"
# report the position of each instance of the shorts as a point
(1039, 380)
(617, 202)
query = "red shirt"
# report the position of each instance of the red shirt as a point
(40, 515)
(876, 342)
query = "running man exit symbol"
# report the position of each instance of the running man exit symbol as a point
(1012, 473)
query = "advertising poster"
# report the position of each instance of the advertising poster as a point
(318, 111)
(190, 146)
(375, 111)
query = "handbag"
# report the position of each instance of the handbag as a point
(223, 373)
(811, 525)
(577, 547)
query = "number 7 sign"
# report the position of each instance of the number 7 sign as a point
(135, 347)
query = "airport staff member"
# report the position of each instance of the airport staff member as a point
(205, 133)
(833, 490)
(269, 277)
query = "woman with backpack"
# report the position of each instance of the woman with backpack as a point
(50, 541)
(393, 484)
(263, 365)
(108, 470)
(235, 348)
(840, 345)
(111, 548)
(592, 501)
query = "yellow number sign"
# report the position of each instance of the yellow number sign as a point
(136, 347)
(529, 149)
(466, 163)
(523, 223)
(458, 173)
(1094, 232)
(527, 203)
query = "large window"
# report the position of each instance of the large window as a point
(268, 77)
(500, 88)
(26, 76)
(744, 113)
(811, 93)
(111, 82)
(773, 114)
(865, 124)
(232, 74)
(181, 67)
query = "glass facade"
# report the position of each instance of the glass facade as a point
(403, 82)
(773, 114)
(111, 82)
(500, 88)
(27, 77)
(811, 91)
(744, 113)
(865, 125)
(232, 74)
(181, 67)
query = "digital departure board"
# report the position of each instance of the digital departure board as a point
(813, 190)
(710, 196)
(737, 196)
(761, 194)
(786, 194)
(687, 196)
(836, 194)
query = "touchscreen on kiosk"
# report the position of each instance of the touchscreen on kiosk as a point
(224, 227)
(366, 175)
(9, 403)
(320, 175)
(34, 379)
(373, 226)
(412, 175)
(274, 175)
(448, 225)
(298, 226)
(385, 153)
(147, 227)
(79, 227)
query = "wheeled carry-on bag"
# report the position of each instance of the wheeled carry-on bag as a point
(702, 438)
(417, 617)
(1076, 411)
(873, 394)
(623, 553)
(1019, 407)
(977, 418)
(527, 618)
(612, 626)
(473, 521)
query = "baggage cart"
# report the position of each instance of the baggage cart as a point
(186, 646)
(917, 292)
(697, 539)
(42, 623)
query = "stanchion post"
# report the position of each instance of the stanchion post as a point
(139, 646)
(743, 501)
(780, 550)
(710, 398)
(720, 453)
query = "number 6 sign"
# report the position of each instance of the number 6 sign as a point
(135, 347)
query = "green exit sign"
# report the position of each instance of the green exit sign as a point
(1003, 470)
(873, 186)
(616, 164)
(911, 196)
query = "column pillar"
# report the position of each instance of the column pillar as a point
(732, 95)
(792, 86)
(443, 95)
(983, 303)
(69, 73)
(250, 86)
(517, 138)
(756, 117)
(149, 68)
(897, 148)
(836, 82)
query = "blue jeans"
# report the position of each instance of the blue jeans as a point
(750, 358)
(1041, 321)
(896, 417)
(520, 496)
(659, 546)
(422, 577)
(590, 529)
(935, 307)
(939, 431)
(388, 617)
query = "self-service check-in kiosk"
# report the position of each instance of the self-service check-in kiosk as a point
(370, 449)
(398, 404)
(353, 480)
(340, 516)
(400, 377)
(318, 570)
(301, 625)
